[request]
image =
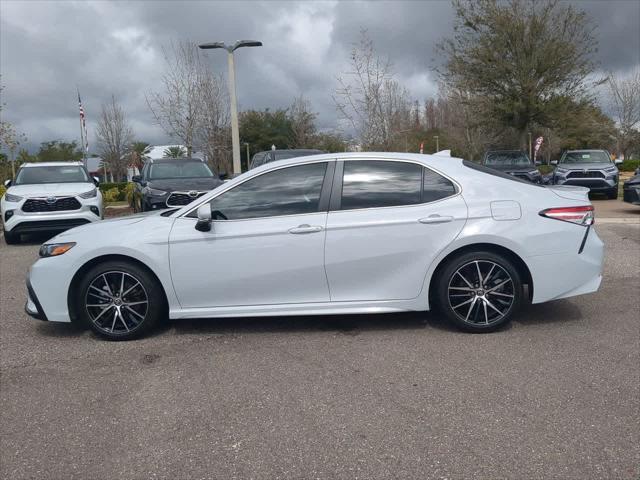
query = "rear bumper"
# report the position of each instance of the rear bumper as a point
(568, 274)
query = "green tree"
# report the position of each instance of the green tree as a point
(516, 58)
(59, 151)
(174, 152)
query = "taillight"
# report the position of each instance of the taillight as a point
(578, 215)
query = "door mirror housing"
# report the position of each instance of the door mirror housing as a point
(136, 179)
(617, 161)
(7, 183)
(554, 162)
(204, 218)
(96, 181)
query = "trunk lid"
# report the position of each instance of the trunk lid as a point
(571, 192)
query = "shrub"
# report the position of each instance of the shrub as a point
(629, 165)
(111, 195)
(128, 192)
(3, 190)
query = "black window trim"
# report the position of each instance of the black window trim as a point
(323, 202)
(336, 193)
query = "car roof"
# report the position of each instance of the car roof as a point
(49, 164)
(181, 159)
(587, 150)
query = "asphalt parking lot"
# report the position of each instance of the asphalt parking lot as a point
(555, 395)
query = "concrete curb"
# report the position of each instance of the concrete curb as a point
(625, 220)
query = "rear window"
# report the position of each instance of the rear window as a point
(497, 173)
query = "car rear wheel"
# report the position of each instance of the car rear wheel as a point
(120, 300)
(11, 238)
(479, 291)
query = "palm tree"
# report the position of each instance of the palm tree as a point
(139, 152)
(174, 152)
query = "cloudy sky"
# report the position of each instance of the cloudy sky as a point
(48, 48)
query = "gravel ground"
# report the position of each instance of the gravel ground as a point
(555, 395)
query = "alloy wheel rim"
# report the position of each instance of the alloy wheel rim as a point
(481, 292)
(116, 302)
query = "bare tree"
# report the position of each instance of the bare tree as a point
(213, 126)
(115, 137)
(370, 100)
(625, 102)
(303, 125)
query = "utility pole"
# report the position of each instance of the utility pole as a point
(235, 130)
(530, 152)
(436, 137)
(246, 144)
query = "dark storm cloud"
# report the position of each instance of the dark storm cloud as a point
(47, 48)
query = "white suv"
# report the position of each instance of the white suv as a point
(49, 197)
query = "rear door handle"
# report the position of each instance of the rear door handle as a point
(431, 219)
(305, 228)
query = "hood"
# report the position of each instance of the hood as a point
(50, 189)
(586, 166)
(115, 229)
(514, 168)
(185, 184)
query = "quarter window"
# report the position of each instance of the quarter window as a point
(435, 186)
(287, 191)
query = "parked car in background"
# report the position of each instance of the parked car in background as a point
(331, 234)
(513, 162)
(49, 197)
(172, 182)
(593, 169)
(268, 156)
(631, 189)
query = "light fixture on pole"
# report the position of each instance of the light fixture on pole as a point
(235, 131)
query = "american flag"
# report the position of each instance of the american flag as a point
(84, 125)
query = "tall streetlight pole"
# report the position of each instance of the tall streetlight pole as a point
(235, 131)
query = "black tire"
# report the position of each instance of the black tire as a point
(455, 299)
(11, 238)
(612, 194)
(115, 320)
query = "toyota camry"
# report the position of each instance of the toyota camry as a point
(328, 234)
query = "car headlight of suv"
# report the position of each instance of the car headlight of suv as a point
(90, 194)
(8, 197)
(55, 249)
(534, 173)
(154, 192)
(561, 171)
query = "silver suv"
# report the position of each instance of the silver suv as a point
(588, 168)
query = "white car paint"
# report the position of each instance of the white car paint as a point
(48, 190)
(359, 261)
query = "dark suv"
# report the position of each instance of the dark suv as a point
(268, 156)
(588, 168)
(513, 162)
(172, 182)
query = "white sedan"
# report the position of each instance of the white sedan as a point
(329, 234)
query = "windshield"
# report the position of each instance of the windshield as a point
(498, 159)
(585, 157)
(179, 169)
(51, 174)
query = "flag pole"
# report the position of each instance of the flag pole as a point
(83, 139)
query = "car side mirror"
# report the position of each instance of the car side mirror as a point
(204, 218)
(7, 183)
(554, 162)
(96, 181)
(136, 179)
(617, 161)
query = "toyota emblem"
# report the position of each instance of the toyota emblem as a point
(193, 193)
(51, 199)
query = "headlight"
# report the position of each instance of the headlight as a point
(89, 194)
(561, 171)
(55, 249)
(154, 192)
(535, 173)
(12, 198)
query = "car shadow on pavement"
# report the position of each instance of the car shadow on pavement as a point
(557, 311)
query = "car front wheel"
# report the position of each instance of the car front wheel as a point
(120, 300)
(479, 291)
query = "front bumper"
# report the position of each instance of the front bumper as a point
(153, 202)
(32, 222)
(593, 184)
(32, 306)
(631, 194)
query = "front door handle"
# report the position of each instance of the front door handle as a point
(305, 228)
(431, 219)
